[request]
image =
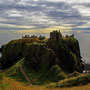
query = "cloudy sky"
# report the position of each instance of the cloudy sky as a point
(19, 16)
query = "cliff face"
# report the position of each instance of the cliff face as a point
(67, 54)
(38, 54)
(12, 53)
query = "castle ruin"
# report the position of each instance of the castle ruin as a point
(27, 36)
(71, 36)
(55, 35)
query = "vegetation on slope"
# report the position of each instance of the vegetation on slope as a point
(43, 61)
(2, 85)
(67, 53)
(73, 81)
(14, 69)
(20, 86)
(41, 77)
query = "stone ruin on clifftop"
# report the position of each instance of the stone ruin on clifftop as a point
(55, 35)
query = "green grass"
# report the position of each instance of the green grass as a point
(74, 81)
(13, 69)
(44, 77)
(14, 72)
(55, 74)
(41, 77)
(35, 43)
(1, 76)
(2, 86)
(24, 40)
(36, 77)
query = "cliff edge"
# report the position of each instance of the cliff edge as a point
(38, 54)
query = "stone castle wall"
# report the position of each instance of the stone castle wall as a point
(55, 35)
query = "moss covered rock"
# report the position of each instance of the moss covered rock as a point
(74, 74)
(56, 74)
(73, 81)
(67, 54)
(12, 53)
(39, 56)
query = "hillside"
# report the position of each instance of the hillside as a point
(64, 52)
(20, 86)
(42, 61)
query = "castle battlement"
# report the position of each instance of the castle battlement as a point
(27, 36)
(71, 36)
(55, 35)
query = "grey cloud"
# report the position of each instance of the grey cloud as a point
(59, 12)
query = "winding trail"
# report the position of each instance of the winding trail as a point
(26, 77)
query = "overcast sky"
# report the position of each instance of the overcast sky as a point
(44, 15)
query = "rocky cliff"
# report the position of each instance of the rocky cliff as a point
(67, 54)
(38, 54)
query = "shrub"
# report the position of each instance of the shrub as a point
(74, 81)
(41, 37)
(1, 76)
(74, 74)
(56, 74)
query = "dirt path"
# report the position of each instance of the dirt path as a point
(15, 85)
(29, 81)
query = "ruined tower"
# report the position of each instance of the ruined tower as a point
(55, 35)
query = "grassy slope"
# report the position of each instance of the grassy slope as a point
(40, 78)
(82, 79)
(36, 77)
(13, 69)
(27, 40)
(15, 85)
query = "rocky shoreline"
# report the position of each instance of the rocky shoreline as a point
(87, 68)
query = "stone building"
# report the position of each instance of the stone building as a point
(71, 36)
(26, 36)
(55, 35)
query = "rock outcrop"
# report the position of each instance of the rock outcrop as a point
(38, 54)
(67, 53)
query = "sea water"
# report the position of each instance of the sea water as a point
(0, 53)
